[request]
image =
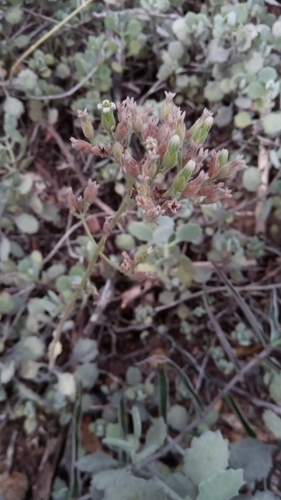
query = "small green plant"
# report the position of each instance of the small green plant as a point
(232, 51)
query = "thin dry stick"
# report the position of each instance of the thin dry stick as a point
(220, 334)
(69, 157)
(70, 91)
(65, 236)
(264, 167)
(216, 289)
(46, 37)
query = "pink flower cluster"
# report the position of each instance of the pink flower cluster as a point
(171, 151)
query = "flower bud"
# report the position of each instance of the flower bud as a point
(199, 131)
(201, 134)
(121, 131)
(139, 275)
(91, 191)
(167, 105)
(130, 165)
(188, 169)
(108, 120)
(80, 145)
(170, 158)
(181, 179)
(73, 202)
(142, 256)
(117, 151)
(137, 125)
(86, 125)
(178, 185)
(107, 228)
(223, 155)
(80, 204)
(231, 167)
(181, 131)
(70, 197)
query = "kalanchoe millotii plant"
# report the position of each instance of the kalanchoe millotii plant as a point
(188, 171)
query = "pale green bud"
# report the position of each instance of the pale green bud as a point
(117, 151)
(201, 134)
(181, 131)
(170, 158)
(179, 183)
(199, 131)
(174, 144)
(88, 130)
(189, 168)
(223, 155)
(86, 124)
(181, 179)
(108, 121)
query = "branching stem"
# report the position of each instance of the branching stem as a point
(53, 348)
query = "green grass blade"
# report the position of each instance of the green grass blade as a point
(163, 392)
(273, 316)
(185, 380)
(235, 408)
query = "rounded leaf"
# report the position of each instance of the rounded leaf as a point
(125, 242)
(63, 71)
(133, 376)
(243, 102)
(85, 350)
(224, 116)
(255, 63)
(6, 303)
(272, 123)
(54, 271)
(255, 90)
(13, 107)
(176, 49)
(206, 456)
(222, 486)
(242, 119)
(213, 92)
(267, 73)
(87, 374)
(27, 223)
(27, 79)
(251, 179)
(31, 348)
(140, 230)
(14, 15)
(253, 456)
(190, 232)
(177, 417)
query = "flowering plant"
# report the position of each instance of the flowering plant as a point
(170, 152)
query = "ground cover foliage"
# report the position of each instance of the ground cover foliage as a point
(140, 200)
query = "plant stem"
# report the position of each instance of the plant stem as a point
(102, 255)
(53, 348)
